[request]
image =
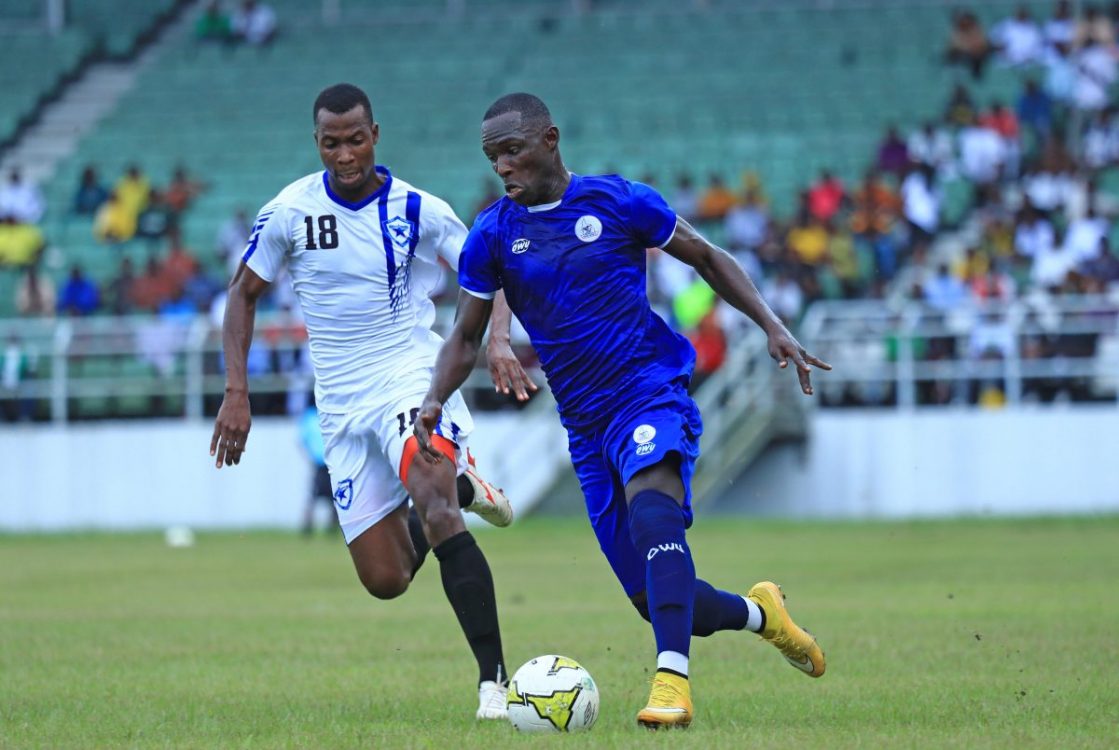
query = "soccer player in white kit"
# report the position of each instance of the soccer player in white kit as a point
(362, 248)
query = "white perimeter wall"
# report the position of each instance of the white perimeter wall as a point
(945, 462)
(153, 474)
(856, 464)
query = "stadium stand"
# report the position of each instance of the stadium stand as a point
(780, 93)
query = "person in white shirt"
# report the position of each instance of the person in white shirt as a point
(1095, 72)
(1083, 235)
(1033, 233)
(1060, 28)
(982, 154)
(1051, 265)
(931, 145)
(1018, 39)
(255, 23)
(362, 248)
(921, 200)
(21, 200)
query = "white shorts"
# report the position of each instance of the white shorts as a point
(363, 450)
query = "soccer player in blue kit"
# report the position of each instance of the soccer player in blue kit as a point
(569, 252)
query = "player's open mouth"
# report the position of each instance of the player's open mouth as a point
(349, 176)
(512, 190)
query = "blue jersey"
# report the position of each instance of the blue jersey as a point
(574, 274)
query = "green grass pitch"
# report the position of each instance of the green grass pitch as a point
(971, 634)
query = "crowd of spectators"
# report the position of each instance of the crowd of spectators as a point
(984, 200)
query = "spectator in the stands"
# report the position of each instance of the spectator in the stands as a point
(254, 23)
(1061, 74)
(180, 264)
(685, 199)
(932, 145)
(995, 285)
(90, 193)
(182, 191)
(982, 154)
(825, 197)
(973, 265)
(1051, 265)
(893, 156)
(920, 198)
(960, 108)
(876, 205)
(1060, 28)
(747, 224)
(119, 291)
(115, 221)
(710, 343)
(968, 44)
(807, 239)
(715, 201)
(944, 291)
(35, 293)
(1095, 65)
(213, 26)
(232, 238)
(21, 200)
(152, 288)
(132, 190)
(1100, 144)
(1094, 28)
(156, 219)
(1018, 39)
(79, 295)
(1035, 109)
(1004, 122)
(1083, 235)
(200, 289)
(1033, 233)
(784, 295)
(20, 244)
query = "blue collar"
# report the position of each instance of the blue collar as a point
(383, 190)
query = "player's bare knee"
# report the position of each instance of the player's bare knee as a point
(442, 520)
(386, 584)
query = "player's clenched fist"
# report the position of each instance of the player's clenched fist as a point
(426, 421)
(231, 429)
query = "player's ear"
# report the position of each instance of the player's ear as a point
(375, 129)
(551, 137)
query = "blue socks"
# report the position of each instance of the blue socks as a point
(717, 610)
(656, 526)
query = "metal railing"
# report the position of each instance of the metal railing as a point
(1036, 349)
(140, 366)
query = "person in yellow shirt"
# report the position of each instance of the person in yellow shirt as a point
(20, 244)
(115, 221)
(133, 190)
(808, 239)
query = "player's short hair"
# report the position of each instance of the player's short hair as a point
(340, 99)
(530, 107)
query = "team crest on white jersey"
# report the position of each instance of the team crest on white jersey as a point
(399, 230)
(588, 228)
(519, 246)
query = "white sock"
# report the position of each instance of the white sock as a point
(754, 616)
(673, 660)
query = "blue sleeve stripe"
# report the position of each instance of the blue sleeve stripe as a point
(390, 256)
(254, 238)
(412, 214)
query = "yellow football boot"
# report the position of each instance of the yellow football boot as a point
(797, 645)
(670, 703)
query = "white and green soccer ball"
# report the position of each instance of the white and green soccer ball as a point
(552, 694)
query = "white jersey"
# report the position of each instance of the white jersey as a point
(362, 273)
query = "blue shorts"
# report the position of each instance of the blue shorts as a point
(642, 434)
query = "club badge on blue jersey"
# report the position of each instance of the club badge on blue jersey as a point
(399, 230)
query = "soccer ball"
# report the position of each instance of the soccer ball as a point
(552, 694)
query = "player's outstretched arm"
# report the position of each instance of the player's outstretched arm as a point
(505, 369)
(452, 367)
(231, 428)
(734, 285)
